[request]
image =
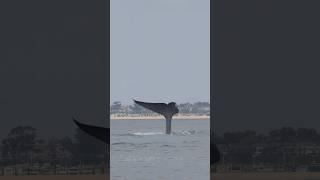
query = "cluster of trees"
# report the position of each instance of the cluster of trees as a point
(286, 145)
(185, 108)
(282, 135)
(22, 145)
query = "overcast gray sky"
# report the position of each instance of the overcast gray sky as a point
(160, 50)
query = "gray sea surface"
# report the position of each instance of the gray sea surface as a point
(140, 150)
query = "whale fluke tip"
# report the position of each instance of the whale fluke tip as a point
(100, 133)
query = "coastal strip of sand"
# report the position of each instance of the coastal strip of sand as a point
(267, 176)
(179, 117)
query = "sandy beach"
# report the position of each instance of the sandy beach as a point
(180, 117)
(63, 177)
(266, 176)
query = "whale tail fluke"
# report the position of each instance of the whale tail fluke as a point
(100, 133)
(167, 110)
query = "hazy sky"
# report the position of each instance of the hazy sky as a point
(160, 50)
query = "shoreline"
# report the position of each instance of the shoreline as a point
(182, 117)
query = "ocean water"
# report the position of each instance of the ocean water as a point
(140, 150)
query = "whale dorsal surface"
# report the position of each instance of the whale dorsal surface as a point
(100, 133)
(167, 110)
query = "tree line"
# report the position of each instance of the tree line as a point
(184, 108)
(23, 145)
(282, 135)
(285, 146)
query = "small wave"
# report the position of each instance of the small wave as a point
(168, 145)
(122, 143)
(184, 133)
(188, 142)
(177, 133)
(147, 133)
(141, 134)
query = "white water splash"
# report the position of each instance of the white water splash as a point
(147, 133)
